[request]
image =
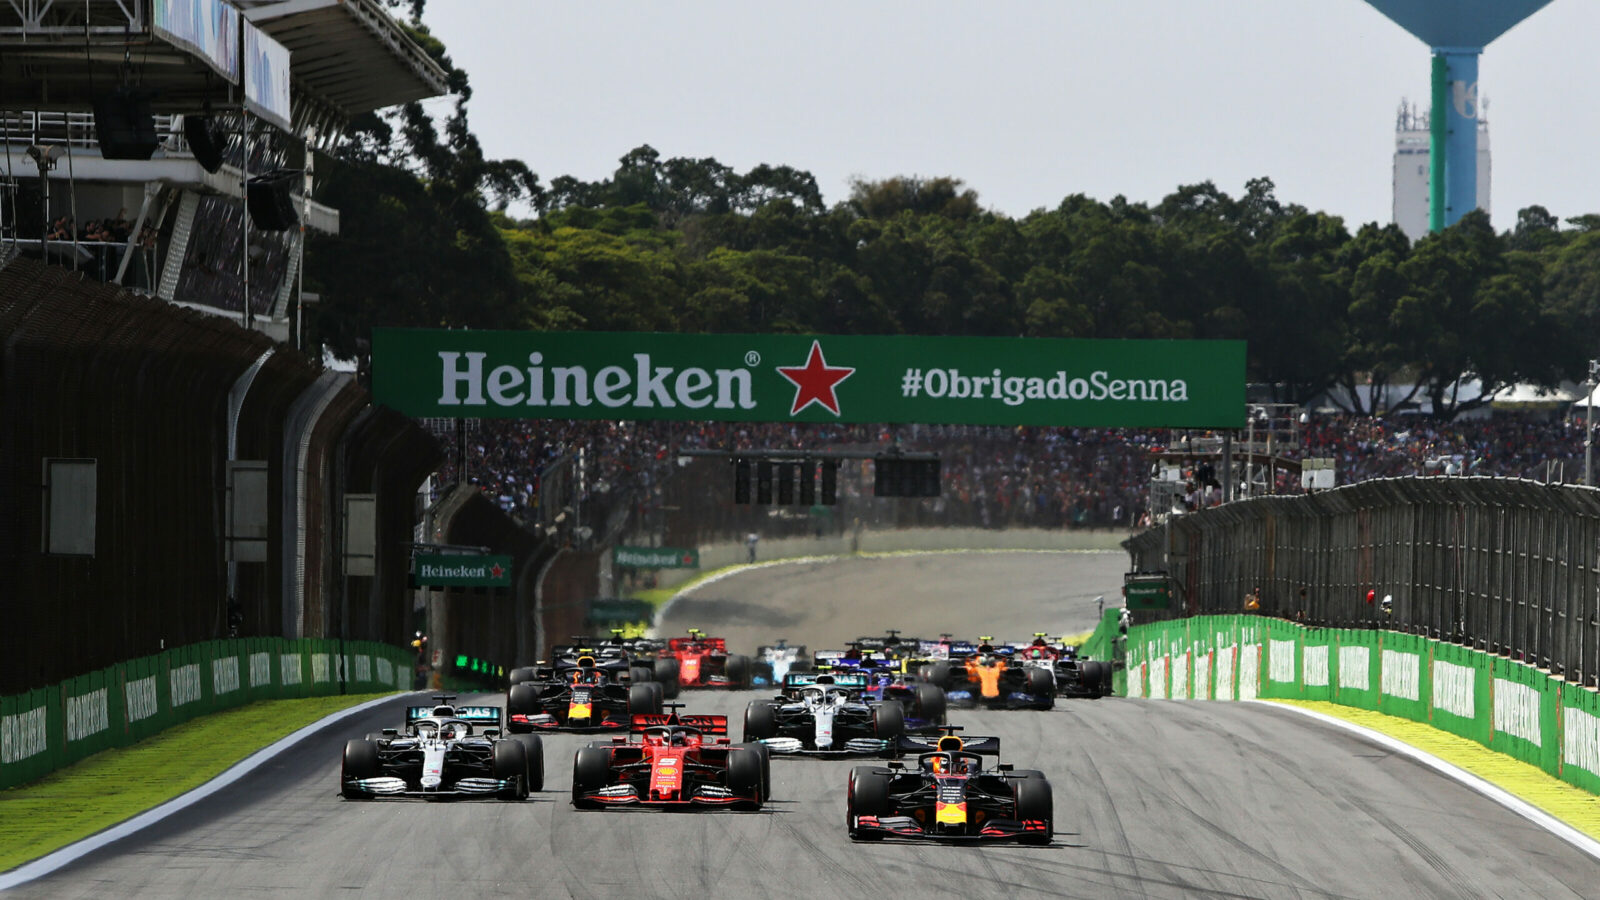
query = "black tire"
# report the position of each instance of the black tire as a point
(667, 674)
(510, 761)
(360, 761)
(760, 720)
(939, 674)
(641, 674)
(1042, 686)
(533, 750)
(591, 771)
(1034, 801)
(1089, 677)
(765, 752)
(739, 671)
(659, 692)
(642, 700)
(744, 774)
(868, 795)
(930, 703)
(889, 721)
(520, 674)
(522, 700)
(1105, 680)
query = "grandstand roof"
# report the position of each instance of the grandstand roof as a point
(349, 56)
(349, 52)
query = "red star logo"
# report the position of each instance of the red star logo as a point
(497, 571)
(814, 382)
(688, 558)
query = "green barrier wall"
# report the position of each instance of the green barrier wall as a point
(53, 727)
(1505, 705)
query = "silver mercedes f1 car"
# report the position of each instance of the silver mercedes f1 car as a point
(444, 751)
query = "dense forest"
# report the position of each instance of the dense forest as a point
(693, 245)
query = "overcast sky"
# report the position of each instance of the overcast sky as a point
(1027, 102)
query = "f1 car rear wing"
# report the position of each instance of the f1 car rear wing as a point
(475, 714)
(709, 643)
(790, 651)
(703, 724)
(983, 746)
(840, 679)
(933, 649)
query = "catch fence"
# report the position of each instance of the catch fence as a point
(1505, 566)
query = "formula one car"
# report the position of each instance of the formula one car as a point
(445, 751)
(705, 662)
(637, 657)
(924, 703)
(989, 678)
(670, 760)
(948, 794)
(774, 662)
(824, 715)
(586, 697)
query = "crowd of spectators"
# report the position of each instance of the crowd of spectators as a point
(115, 230)
(992, 476)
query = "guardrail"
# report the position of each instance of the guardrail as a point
(1507, 706)
(56, 726)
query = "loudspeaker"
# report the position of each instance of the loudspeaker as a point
(206, 141)
(124, 124)
(271, 201)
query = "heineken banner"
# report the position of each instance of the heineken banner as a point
(806, 378)
(656, 557)
(446, 570)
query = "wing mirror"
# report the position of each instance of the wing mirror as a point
(391, 732)
(491, 732)
(1005, 767)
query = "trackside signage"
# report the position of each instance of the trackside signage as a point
(810, 378)
(656, 557)
(442, 570)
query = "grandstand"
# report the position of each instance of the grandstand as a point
(133, 131)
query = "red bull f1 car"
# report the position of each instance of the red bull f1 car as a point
(585, 697)
(670, 760)
(444, 751)
(949, 793)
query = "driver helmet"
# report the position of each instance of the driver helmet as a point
(937, 764)
(680, 739)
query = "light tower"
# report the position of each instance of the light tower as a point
(1457, 30)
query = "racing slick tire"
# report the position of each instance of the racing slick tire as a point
(1089, 677)
(511, 761)
(765, 752)
(936, 673)
(667, 674)
(360, 761)
(521, 674)
(523, 700)
(660, 693)
(739, 671)
(642, 700)
(641, 675)
(868, 795)
(888, 723)
(591, 771)
(1105, 680)
(930, 703)
(533, 751)
(1034, 801)
(1042, 687)
(744, 775)
(760, 720)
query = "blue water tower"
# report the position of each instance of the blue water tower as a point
(1457, 30)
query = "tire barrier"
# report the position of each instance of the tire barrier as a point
(1505, 705)
(56, 726)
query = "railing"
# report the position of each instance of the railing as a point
(76, 129)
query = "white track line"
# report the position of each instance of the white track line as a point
(47, 864)
(1499, 795)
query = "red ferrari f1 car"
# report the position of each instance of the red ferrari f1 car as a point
(705, 662)
(669, 760)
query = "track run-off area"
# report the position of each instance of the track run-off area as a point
(1153, 799)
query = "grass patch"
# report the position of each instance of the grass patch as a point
(114, 785)
(1566, 802)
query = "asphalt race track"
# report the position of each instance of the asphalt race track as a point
(1153, 799)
